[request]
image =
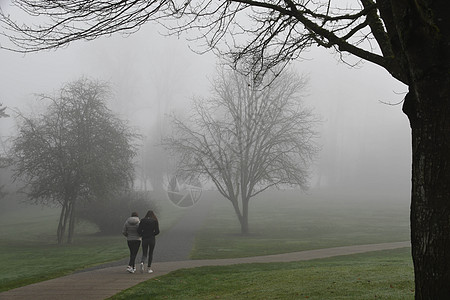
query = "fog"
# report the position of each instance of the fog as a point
(365, 142)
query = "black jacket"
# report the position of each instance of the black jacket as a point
(148, 227)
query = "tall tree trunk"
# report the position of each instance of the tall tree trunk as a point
(244, 220)
(430, 201)
(428, 108)
(72, 220)
(242, 217)
(424, 36)
(64, 216)
(61, 224)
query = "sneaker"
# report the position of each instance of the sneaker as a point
(142, 267)
(150, 270)
(130, 269)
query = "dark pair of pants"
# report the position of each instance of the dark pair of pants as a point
(134, 248)
(148, 245)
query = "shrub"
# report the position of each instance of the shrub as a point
(110, 214)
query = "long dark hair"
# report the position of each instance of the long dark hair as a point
(151, 214)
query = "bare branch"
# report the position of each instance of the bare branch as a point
(275, 32)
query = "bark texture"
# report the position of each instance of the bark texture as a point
(424, 36)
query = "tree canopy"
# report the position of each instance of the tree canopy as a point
(75, 151)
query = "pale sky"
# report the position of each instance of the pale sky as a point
(364, 141)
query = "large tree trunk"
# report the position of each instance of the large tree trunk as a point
(424, 36)
(428, 108)
(430, 201)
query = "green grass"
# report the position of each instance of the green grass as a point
(26, 263)
(279, 222)
(374, 275)
(29, 252)
(289, 221)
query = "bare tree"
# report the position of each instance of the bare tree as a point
(77, 151)
(247, 137)
(409, 39)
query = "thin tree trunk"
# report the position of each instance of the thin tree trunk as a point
(60, 230)
(63, 222)
(72, 218)
(66, 218)
(67, 213)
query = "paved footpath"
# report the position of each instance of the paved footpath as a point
(104, 283)
(174, 245)
(107, 280)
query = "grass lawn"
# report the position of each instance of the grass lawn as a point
(279, 222)
(29, 251)
(289, 221)
(374, 275)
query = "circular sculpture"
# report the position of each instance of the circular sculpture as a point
(183, 194)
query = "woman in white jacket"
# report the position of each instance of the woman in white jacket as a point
(130, 230)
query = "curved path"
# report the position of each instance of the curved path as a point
(172, 254)
(175, 244)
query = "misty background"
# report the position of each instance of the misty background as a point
(365, 142)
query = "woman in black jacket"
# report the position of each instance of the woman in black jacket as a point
(148, 229)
